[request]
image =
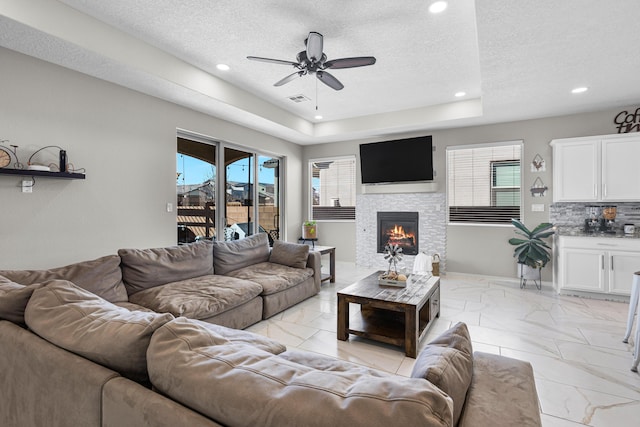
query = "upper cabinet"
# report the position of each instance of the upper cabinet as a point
(599, 168)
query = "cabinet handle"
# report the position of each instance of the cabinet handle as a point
(611, 262)
(612, 245)
(602, 262)
(604, 190)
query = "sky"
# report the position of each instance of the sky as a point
(198, 171)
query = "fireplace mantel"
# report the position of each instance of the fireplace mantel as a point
(409, 187)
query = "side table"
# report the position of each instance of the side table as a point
(331, 251)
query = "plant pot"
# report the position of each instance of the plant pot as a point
(529, 273)
(309, 232)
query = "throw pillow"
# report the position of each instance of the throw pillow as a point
(290, 254)
(13, 299)
(101, 276)
(447, 363)
(236, 254)
(147, 268)
(83, 323)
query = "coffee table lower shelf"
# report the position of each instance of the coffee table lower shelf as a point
(385, 326)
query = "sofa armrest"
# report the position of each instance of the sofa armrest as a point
(502, 393)
(128, 404)
(315, 261)
(44, 385)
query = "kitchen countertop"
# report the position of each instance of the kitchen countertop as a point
(579, 232)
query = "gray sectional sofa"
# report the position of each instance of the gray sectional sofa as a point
(234, 284)
(70, 357)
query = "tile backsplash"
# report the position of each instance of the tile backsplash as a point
(570, 215)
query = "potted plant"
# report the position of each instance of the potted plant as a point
(531, 251)
(309, 230)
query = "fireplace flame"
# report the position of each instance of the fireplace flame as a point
(397, 235)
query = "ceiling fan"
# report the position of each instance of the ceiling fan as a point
(314, 61)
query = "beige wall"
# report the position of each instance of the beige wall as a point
(478, 249)
(127, 143)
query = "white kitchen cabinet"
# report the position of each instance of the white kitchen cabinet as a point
(597, 264)
(583, 270)
(620, 169)
(596, 169)
(576, 170)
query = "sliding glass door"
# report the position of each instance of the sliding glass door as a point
(228, 195)
(269, 196)
(239, 179)
(196, 190)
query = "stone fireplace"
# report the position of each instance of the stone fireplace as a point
(398, 228)
(431, 226)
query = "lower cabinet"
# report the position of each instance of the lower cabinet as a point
(597, 264)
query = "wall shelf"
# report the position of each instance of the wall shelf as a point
(46, 174)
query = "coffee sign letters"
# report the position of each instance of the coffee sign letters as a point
(628, 121)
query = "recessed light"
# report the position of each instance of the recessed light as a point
(438, 7)
(460, 94)
(318, 117)
(580, 89)
(222, 67)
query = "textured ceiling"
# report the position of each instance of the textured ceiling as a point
(514, 60)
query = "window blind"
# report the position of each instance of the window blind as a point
(483, 183)
(333, 188)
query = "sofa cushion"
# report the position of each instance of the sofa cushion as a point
(273, 277)
(83, 323)
(101, 276)
(198, 298)
(13, 299)
(289, 254)
(327, 363)
(230, 256)
(447, 362)
(502, 393)
(240, 385)
(146, 268)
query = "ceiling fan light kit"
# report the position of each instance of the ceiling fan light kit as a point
(314, 61)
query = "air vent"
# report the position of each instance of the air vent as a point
(299, 98)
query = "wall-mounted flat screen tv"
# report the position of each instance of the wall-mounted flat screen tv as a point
(400, 160)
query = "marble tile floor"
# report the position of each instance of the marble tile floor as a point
(575, 344)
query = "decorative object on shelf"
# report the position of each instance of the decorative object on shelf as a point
(538, 164)
(63, 165)
(309, 230)
(5, 155)
(531, 251)
(538, 189)
(67, 171)
(393, 255)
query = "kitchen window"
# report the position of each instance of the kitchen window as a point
(484, 183)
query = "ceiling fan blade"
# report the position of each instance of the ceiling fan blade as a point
(289, 78)
(314, 46)
(273, 61)
(359, 61)
(329, 80)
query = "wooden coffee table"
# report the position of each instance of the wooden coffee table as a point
(397, 316)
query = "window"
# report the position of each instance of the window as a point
(483, 183)
(333, 188)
